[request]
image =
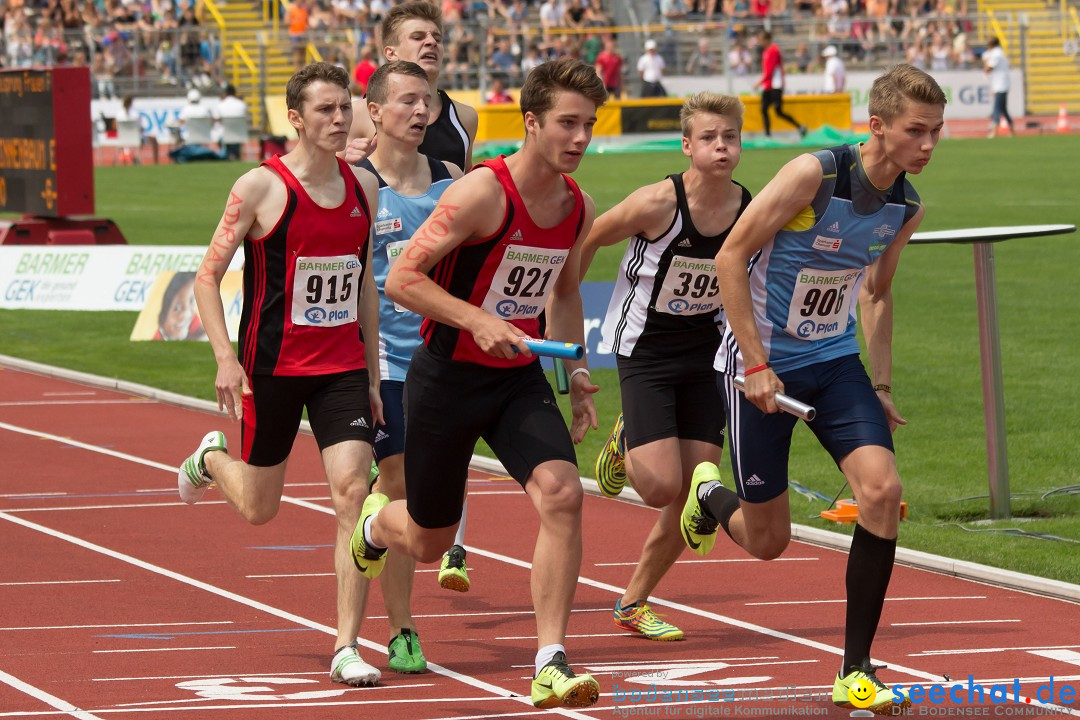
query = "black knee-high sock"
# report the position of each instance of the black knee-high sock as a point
(869, 567)
(720, 503)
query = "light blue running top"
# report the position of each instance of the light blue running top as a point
(805, 283)
(398, 218)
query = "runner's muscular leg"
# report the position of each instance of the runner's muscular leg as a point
(650, 469)
(762, 529)
(346, 465)
(397, 576)
(871, 472)
(254, 491)
(555, 489)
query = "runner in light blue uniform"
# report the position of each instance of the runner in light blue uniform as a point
(410, 185)
(829, 228)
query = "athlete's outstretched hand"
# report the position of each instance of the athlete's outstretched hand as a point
(761, 387)
(375, 398)
(581, 404)
(231, 384)
(358, 149)
(891, 413)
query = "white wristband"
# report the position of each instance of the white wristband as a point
(581, 370)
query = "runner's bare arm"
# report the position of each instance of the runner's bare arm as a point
(472, 207)
(566, 323)
(240, 216)
(786, 195)
(647, 211)
(876, 311)
(368, 301)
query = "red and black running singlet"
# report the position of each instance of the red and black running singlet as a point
(302, 282)
(509, 274)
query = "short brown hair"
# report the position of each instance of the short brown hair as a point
(891, 91)
(379, 84)
(415, 9)
(295, 89)
(547, 79)
(713, 104)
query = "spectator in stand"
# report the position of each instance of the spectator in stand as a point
(609, 66)
(940, 52)
(574, 15)
(963, 56)
(673, 11)
(703, 60)
(595, 15)
(502, 60)
(772, 84)
(497, 95)
(835, 74)
(297, 20)
(650, 67)
(104, 88)
(739, 58)
(801, 60)
(533, 57)
(364, 69)
(917, 55)
(49, 47)
(551, 16)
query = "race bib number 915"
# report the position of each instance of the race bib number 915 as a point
(820, 303)
(522, 281)
(325, 290)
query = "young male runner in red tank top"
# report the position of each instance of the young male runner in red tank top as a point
(502, 244)
(305, 222)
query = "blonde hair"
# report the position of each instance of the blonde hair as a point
(713, 104)
(546, 80)
(891, 91)
(413, 10)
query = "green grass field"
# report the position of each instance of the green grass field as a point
(936, 379)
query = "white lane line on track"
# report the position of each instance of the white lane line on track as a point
(46, 403)
(978, 651)
(119, 625)
(950, 622)
(888, 599)
(497, 693)
(164, 649)
(62, 705)
(489, 613)
(475, 682)
(59, 582)
(704, 561)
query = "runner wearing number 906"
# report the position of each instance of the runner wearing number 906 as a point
(501, 246)
(828, 229)
(664, 325)
(305, 220)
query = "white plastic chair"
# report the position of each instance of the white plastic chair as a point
(197, 130)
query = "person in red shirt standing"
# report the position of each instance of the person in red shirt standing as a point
(772, 84)
(503, 244)
(609, 65)
(364, 69)
(304, 219)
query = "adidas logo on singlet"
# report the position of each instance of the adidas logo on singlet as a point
(384, 212)
(356, 212)
(685, 243)
(516, 235)
(835, 227)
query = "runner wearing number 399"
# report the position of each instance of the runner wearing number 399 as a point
(304, 219)
(502, 245)
(828, 229)
(664, 325)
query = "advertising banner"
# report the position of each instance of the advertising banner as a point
(170, 312)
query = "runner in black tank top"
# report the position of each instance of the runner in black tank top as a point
(664, 325)
(446, 138)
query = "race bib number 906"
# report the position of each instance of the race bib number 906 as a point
(325, 290)
(821, 303)
(522, 281)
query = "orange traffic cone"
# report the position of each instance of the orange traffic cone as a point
(1063, 119)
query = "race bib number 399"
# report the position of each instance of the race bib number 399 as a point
(523, 280)
(820, 303)
(690, 288)
(325, 290)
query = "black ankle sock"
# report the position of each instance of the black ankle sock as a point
(869, 568)
(720, 504)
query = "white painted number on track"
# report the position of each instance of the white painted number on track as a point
(254, 689)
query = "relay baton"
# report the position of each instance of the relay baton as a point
(555, 349)
(785, 403)
(562, 379)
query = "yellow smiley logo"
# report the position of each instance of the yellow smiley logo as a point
(861, 693)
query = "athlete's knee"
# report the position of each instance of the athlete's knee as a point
(769, 546)
(561, 492)
(428, 546)
(261, 511)
(657, 490)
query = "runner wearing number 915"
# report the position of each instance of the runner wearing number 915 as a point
(828, 229)
(664, 324)
(502, 245)
(305, 220)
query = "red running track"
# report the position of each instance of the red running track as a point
(120, 602)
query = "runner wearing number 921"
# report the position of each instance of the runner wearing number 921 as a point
(304, 219)
(827, 230)
(501, 247)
